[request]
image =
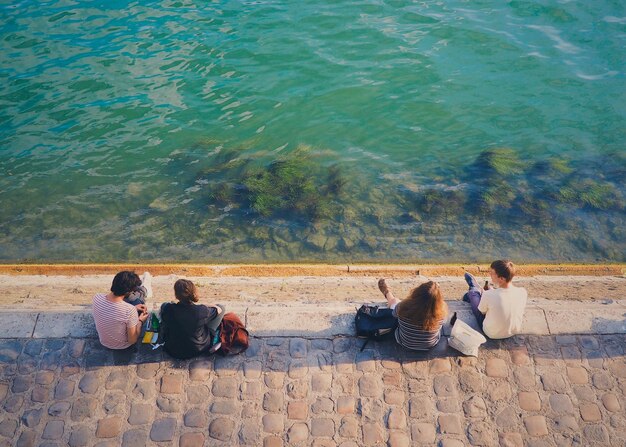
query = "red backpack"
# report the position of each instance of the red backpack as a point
(233, 335)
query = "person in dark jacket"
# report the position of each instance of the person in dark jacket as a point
(189, 329)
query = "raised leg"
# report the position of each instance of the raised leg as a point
(392, 301)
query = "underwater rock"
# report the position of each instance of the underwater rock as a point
(501, 195)
(377, 215)
(222, 233)
(349, 214)
(499, 161)
(134, 189)
(370, 242)
(316, 240)
(335, 181)
(440, 202)
(406, 218)
(536, 209)
(551, 168)
(159, 204)
(260, 234)
(287, 185)
(222, 194)
(239, 248)
(331, 243)
(281, 236)
(347, 243)
(291, 186)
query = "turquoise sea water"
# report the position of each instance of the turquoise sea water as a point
(132, 131)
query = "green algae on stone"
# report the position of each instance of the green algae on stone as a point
(335, 180)
(551, 168)
(535, 208)
(293, 185)
(499, 161)
(498, 194)
(592, 194)
(437, 202)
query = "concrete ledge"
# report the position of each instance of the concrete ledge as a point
(17, 324)
(535, 322)
(65, 324)
(323, 320)
(590, 320)
(312, 321)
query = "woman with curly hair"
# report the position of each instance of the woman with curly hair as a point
(420, 315)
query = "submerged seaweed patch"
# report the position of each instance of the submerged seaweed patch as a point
(441, 202)
(304, 205)
(293, 185)
(591, 193)
(502, 186)
(499, 161)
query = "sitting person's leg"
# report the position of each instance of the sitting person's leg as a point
(213, 326)
(392, 301)
(473, 297)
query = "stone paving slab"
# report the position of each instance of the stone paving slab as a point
(563, 390)
(536, 323)
(65, 324)
(598, 319)
(314, 321)
(17, 324)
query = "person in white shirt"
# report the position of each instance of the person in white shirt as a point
(499, 311)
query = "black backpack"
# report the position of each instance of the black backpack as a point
(374, 323)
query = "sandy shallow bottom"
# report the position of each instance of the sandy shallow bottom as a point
(55, 292)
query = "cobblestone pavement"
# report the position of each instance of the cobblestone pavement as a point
(531, 390)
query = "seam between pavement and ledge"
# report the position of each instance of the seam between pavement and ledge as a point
(545, 318)
(32, 334)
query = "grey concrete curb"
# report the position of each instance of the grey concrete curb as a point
(542, 317)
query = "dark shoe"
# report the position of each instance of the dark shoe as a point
(471, 281)
(382, 285)
(466, 298)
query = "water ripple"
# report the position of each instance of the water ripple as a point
(100, 98)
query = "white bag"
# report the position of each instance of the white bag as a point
(465, 339)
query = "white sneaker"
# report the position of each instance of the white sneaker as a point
(146, 281)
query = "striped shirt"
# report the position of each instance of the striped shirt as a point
(113, 320)
(413, 336)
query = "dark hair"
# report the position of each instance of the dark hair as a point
(185, 291)
(424, 306)
(504, 269)
(124, 283)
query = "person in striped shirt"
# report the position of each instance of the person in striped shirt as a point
(420, 315)
(117, 321)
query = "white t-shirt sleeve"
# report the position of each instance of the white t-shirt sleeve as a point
(483, 306)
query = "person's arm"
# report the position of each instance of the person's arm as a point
(133, 330)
